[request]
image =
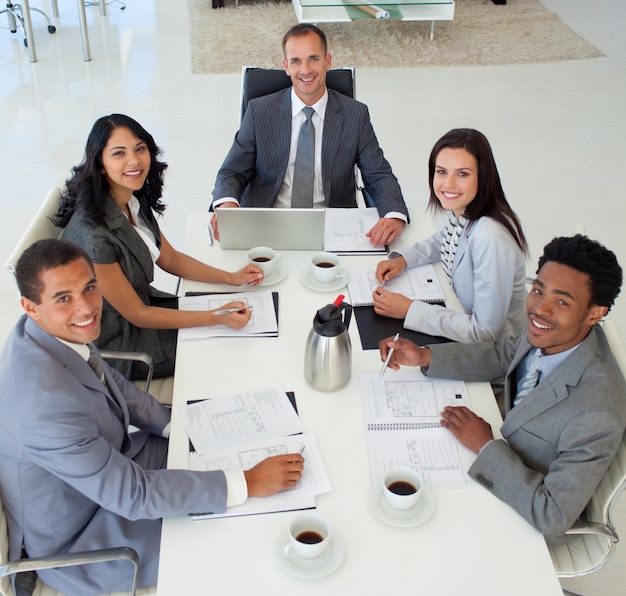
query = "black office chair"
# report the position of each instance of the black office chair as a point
(257, 82)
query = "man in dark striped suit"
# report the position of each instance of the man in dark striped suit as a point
(259, 168)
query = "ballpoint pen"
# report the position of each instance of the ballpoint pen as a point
(227, 311)
(388, 359)
(209, 234)
(301, 452)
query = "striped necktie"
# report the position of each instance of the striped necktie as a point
(530, 381)
(304, 168)
(94, 362)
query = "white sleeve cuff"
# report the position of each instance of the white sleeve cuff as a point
(218, 202)
(236, 487)
(396, 215)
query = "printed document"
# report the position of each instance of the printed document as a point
(345, 229)
(402, 426)
(224, 422)
(263, 322)
(416, 283)
(314, 480)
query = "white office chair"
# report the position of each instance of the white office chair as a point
(591, 543)
(8, 568)
(42, 227)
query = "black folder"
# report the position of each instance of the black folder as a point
(373, 328)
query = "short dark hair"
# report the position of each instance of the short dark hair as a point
(304, 29)
(590, 257)
(42, 256)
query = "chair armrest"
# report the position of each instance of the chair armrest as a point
(135, 356)
(71, 559)
(585, 527)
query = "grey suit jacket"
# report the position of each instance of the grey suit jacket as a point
(255, 166)
(560, 440)
(68, 480)
(488, 277)
(117, 241)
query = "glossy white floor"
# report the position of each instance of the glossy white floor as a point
(558, 130)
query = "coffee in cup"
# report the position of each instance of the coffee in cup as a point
(309, 536)
(402, 487)
(265, 258)
(326, 268)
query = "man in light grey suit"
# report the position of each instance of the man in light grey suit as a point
(560, 435)
(259, 169)
(72, 477)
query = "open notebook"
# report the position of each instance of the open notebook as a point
(416, 283)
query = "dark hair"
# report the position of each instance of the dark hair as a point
(41, 256)
(304, 29)
(589, 257)
(88, 188)
(490, 200)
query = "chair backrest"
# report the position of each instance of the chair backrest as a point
(39, 228)
(256, 82)
(614, 481)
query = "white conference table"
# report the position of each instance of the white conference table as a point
(472, 545)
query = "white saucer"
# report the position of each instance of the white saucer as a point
(323, 565)
(275, 276)
(307, 279)
(414, 516)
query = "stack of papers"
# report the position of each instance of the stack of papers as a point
(239, 431)
(263, 323)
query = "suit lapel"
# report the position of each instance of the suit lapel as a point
(333, 129)
(82, 372)
(115, 220)
(281, 131)
(553, 389)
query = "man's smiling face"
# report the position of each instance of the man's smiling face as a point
(70, 304)
(559, 309)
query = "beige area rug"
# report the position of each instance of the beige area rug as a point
(522, 31)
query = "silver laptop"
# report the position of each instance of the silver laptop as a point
(287, 229)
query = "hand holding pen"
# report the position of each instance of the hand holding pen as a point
(396, 351)
(396, 337)
(234, 314)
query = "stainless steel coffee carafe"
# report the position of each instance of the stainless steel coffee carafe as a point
(328, 351)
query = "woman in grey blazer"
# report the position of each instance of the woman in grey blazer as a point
(482, 249)
(108, 208)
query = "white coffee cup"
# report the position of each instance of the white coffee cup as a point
(326, 268)
(265, 258)
(309, 536)
(402, 487)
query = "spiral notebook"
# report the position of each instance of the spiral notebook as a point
(416, 283)
(401, 412)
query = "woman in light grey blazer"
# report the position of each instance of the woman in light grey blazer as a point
(108, 208)
(482, 249)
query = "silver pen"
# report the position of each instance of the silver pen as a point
(396, 337)
(227, 311)
(209, 234)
